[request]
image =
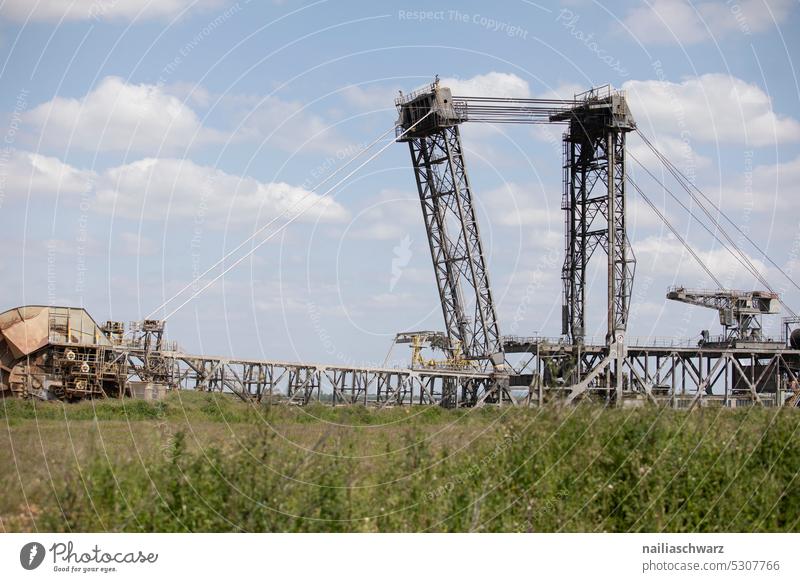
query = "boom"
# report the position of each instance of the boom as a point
(739, 311)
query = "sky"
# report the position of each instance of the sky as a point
(143, 141)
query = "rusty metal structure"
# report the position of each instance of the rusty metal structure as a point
(740, 312)
(57, 352)
(681, 374)
(61, 353)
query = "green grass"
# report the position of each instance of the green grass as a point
(211, 407)
(199, 462)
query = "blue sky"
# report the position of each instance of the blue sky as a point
(145, 140)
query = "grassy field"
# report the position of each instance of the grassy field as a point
(203, 462)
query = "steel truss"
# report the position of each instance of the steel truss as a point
(303, 383)
(455, 244)
(595, 216)
(594, 205)
(681, 377)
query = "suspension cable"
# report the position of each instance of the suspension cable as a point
(686, 183)
(688, 211)
(746, 262)
(674, 232)
(750, 268)
(291, 219)
(265, 226)
(739, 255)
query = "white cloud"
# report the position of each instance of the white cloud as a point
(773, 182)
(393, 214)
(640, 216)
(192, 93)
(382, 230)
(154, 187)
(515, 204)
(562, 91)
(374, 97)
(29, 174)
(765, 188)
(137, 245)
(677, 150)
(55, 10)
(491, 84)
(119, 116)
(665, 258)
(679, 21)
(713, 107)
(287, 125)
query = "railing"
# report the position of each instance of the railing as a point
(405, 98)
(636, 342)
(719, 292)
(138, 343)
(596, 93)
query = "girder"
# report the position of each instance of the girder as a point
(453, 234)
(595, 216)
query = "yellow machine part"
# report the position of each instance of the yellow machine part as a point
(456, 361)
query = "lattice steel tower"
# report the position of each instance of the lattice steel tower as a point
(594, 205)
(447, 207)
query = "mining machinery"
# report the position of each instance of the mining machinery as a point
(594, 203)
(59, 352)
(53, 352)
(740, 312)
(435, 341)
(593, 199)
